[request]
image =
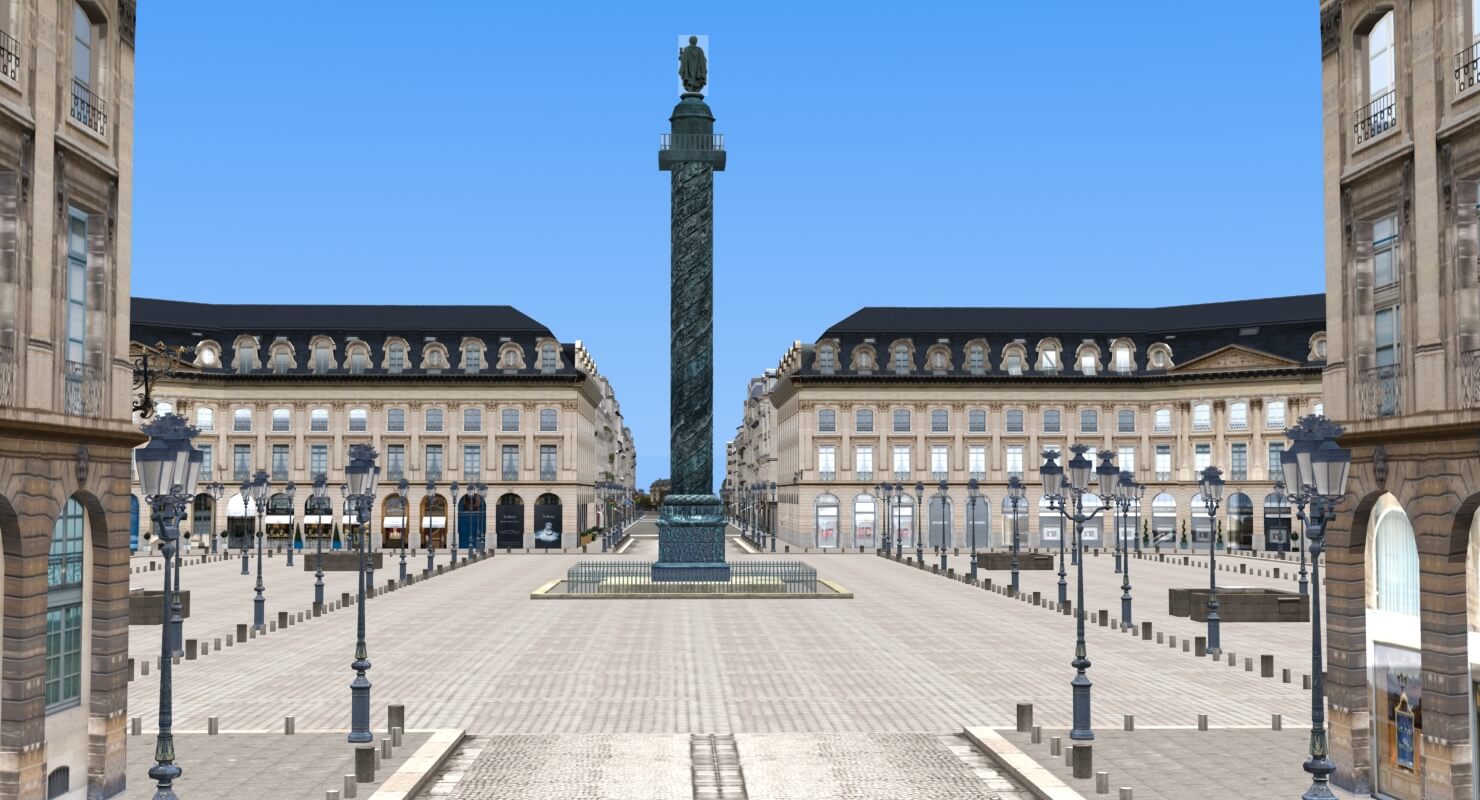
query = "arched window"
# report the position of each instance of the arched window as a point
(976, 359)
(1396, 563)
(395, 420)
(548, 357)
(205, 419)
(473, 358)
(978, 519)
(1240, 530)
(1014, 420)
(282, 420)
(901, 358)
(1238, 416)
(1052, 420)
(1015, 519)
(1050, 524)
(1160, 355)
(827, 358)
(1014, 356)
(1164, 519)
(246, 354)
(1276, 522)
(903, 520)
(827, 520)
(1048, 356)
(395, 358)
(940, 521)
(359, 421)
(358, 354)
(64, 573)
(1274, 414)
(863, 521)
(1202, 417)
(1393, 641)
(1380, 57)
(241, 420)
(323, 356)
(827, 420)
(1163, 421)
(472, 420)
(318, 420)
(1202, 526)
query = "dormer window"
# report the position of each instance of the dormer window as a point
(1122, 360)
(938, 360)
(321, 362)
(1048, 360)
(976, 358)
(901, 358)
(827, 358)
(865, 361)
(548, 357)
(1014, 363)
(281, 362)
(357, 363)
(511, 359)
(1087, 363)
(473, 358)
(246, 356)
(395, 359)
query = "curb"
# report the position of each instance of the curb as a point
(419, 769)
(1043, 784)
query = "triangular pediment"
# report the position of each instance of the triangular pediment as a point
(1235, 357)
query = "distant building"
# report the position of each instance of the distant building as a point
(448, 393)
(658, 490)
(920, 395)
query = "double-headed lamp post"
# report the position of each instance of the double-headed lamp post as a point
(1315, 470)
(973, 492)
(290, 490)
(426, 535)
(1078, 484)
(920, 513)
(246, 495)
(260, 487)
(362, 475)
(403, 490)
(1015, 493)
(1053, 482)
(898, 538)
(1128, 493)
(945, 521)
(169, 469)
(217, 491)
(1211, 486)
(320, 496)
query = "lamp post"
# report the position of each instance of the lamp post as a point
(1299, 499)
(320, 496)
(920, 510)
(881, 522)
(292, 512)
(454, 520)
(1127, 493)
(1077, 483)
(770, 500)
(260, 486)
(362, 475)
(945, 521)
(898, 537)
(246, 494)
(1212, 494)
(972, 492)
(169, 469)
(217, 491)
(403, 489)
(1316, 469)
(1015, 492)
(1053, 483)
(425, 534)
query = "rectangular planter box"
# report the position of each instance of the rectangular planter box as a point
(1003, 561)
(344, 562)
(144, 606)
(1240, 604)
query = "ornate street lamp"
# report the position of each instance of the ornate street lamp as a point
(362, 475)
(321, 498)
(246, 495)
(1128, 493)
(920, 512)
(1015, 492)
(945, 521)
(290, 490)
(403, 489)
(217, 491)
(425, 534)
(260, 487)
(1053, 484)
(973, 491)
(1211, 487)
(1302, 445)
(1318, 478)
(1077, 483)
(454, 513)
(169, 469)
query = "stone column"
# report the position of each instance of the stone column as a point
(691, 540)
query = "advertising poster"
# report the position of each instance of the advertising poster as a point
(827, 533)
(865, 534)
(1398, 684)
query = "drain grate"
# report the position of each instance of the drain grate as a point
(716, 768)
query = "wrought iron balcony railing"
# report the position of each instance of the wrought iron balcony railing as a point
(1469, 379)
(826, 475)
(1275, 423)
(1163, 476)
(87, 108)
(692, 141)
(279, 474)
(901, 475)
(865, 474)
(1238, 425)
(241, 473)
(10, 56)
(1466, 65)
(1202, 427)
(1161, 429)
(1380, 391)
(1378, 116)
(64, 570)
(7, 376)
(509, 475)
(83, 385)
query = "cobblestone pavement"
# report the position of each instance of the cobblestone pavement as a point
(247, 766)
(863, 766)
(588, 767)
(912, 654)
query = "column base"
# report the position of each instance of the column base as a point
(691, 540)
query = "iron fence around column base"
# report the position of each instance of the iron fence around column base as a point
(781, 577)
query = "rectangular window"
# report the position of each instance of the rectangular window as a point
(1089, 421)
(1122, 359)
(863, 462)
(473, 359)
(1048, 360)
(548, 420)
(510, 458)
(1163, 420)
(63, 655)
(901, 421)
(280, 462)
(1385, 251)
(1276, 453)
(280, 363)
(1127, 459)
(1051, 418)
(1239, 462)
(472, 420)
(434, 461)
(976, 458)
(976, 421)
(241, 462)
(1274, 414)
(359, 422)
(1163, 462)
(207, 463)
(434, 420)
(940, 458)
(1238, 416)
(281, 420)
(827, 421)
(1087, 363)
(205, 419)
(472, 461)
(510, 420)
(901, 462)
(1014, 363)
(548, 463)
(318, 460)
(1015, 461)
(395, 420)
(940, 421)
(827, 462)
(1202, 417)
(1125, 420)
(395, 461)
(1202, 457)
(1387, 320)
(241, 420)
(1014, 420)
(396, 361)
(357, 363)
(863, 420)
(318, 420)
(320, 360)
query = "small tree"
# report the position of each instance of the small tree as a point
(1219, 527)
(1183, 540)
(1146, 532)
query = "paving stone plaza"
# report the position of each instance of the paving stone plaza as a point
(858, 698)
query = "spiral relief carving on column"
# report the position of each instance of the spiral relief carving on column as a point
(692, 313)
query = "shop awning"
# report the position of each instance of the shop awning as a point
(394, 522)
(279, 519)
(237, 506)
(318, 519)
(432, 523)
(349, 520)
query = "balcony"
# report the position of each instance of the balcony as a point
(83, 384)
(1238, 424)
(826, 475)
(10, 57)
(279, 473)
(395, 473)
(64, 570)
(1466, 64)
(865, 474)
(509, 475)
(977, 475)
(939, 475)
(692, 141)
(547, 474)
(1159, 428)
(1377, 117)
(241, 472)
(1469, 379)
(1275, 423)
(87, 108)
(1163, 476)
(1379, 391)
(1202, 427)
(901, 475)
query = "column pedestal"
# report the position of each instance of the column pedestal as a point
(691, 540)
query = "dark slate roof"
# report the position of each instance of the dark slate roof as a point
(1280, 326)
(175, 322)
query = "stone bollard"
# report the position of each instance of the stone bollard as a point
(213, 726)
(136, 726)
(377, 757)
(385, 749)
(350, 785)
(1202, 722)
(191, 649)
(396, 737)
(365, 764)
(1055, 745)
(216, 643)
(344, 598)
(1130, 722)
(241, 633)
(1068, 608)
(1037, 598)
(331, 794)
(1125, 793)
(1160, 637)
(1024, 717)
(1276, 722)
(1145, 631)
(1102, 782)
(395, 717)
(1305, 682)
(1231, 658)
(143, 668)
(1037, 737)
(1083, 759)
(272, 626)
(1104, 618)
(130, 669)
(1199, 646)
(205, 648)
(1266, 666)
(1248, 665)
(230, 640)
(1285, 675)
(289, 725)
(300, 616)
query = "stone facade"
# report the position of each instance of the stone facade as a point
(66, 172)
(974, 397)
(1402, 169)
(506, 404)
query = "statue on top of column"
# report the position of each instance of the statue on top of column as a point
(693, 67)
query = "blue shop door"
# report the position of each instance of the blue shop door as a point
(471, 527)
(133, 523)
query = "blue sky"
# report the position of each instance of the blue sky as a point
(989, 153)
